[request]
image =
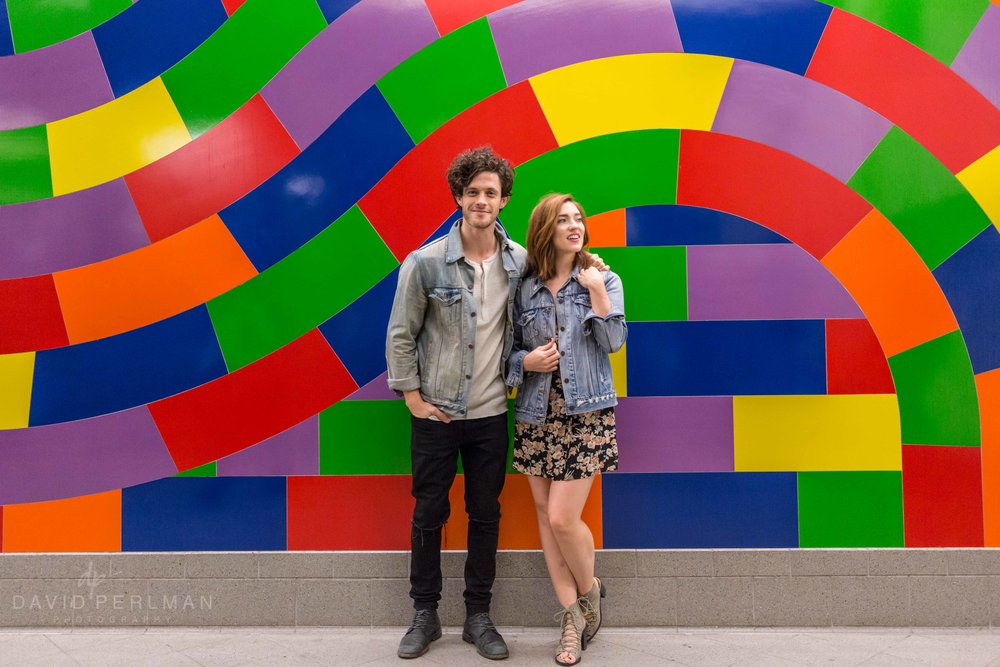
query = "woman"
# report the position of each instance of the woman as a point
(568, 318)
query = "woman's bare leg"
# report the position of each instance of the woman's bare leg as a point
(563, 581)
(576, 542)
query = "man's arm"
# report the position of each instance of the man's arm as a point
(406, 320)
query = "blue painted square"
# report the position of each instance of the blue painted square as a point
(152, 36)
(780, 33)
(318, 186)
(700, 510)
(126, 370)
(726, 358)
(332, 9)
(6, 41)
(970, 280)
(691, 225)
(206, 514)
(357, 333)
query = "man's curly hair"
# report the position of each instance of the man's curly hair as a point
(472, 162)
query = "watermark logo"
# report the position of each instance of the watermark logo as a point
(102, 607)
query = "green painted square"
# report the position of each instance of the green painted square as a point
(25, 174)
(918, 194)
(35, 24)
(603, 173)
(207, 470)
(365, 438)
(936, 389)
(373, 438)
(301, 291)
(939, 27)
(443, 79)
(235, 62)
(654, 280)
(851, 509)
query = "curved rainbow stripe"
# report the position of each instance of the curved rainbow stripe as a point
(186, 284)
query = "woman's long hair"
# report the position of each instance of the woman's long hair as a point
(542, 231)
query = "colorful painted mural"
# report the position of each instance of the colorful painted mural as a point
(203, 204)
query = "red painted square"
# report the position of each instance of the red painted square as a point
(855, 363)
(211, 172)
(511, 121)
(232, 5)
(769, 187)
(349, 513)
(942, 496)
(451, 14)
(915, 91)
(30, 313)
(253, 403)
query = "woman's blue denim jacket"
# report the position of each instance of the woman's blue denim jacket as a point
(585, 340)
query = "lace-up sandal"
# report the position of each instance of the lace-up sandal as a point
(590, 602)
(573, 640)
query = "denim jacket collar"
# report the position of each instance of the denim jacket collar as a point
(454, 250)
(537, 284)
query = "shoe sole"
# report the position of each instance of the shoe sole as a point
(468, 639)
(408, 656)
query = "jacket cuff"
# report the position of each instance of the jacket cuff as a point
(404, 384)
(515, 368)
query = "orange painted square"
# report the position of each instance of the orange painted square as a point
(607, 230)
(152, 283)
(518, 525)
(891, 284)
(988, 386)
(85, 523)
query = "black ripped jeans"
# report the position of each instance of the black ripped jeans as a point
(434, 448)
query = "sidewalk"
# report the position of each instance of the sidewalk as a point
(631, 647)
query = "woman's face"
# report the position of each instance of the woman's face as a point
(568, 238)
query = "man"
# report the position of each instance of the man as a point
(449, 336)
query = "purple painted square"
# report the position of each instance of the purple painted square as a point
(979, 60)
(82, 457)
(799, 116)
(675, 434)
(376, 390)
(38, 87)
(347, 58)
(294, 451)
(763, 282)
(72, 230)
(541, 35)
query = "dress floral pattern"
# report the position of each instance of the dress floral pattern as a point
(566, 446)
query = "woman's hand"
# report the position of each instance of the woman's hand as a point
(543, 359)
(590, 278)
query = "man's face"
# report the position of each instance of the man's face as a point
(481, 201)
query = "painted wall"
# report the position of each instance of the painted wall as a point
(203, 205)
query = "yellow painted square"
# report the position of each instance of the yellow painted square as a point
(982, 180)
(16, 371)
(114, 139)
(634, 92)
(802, 433)
(618, 371)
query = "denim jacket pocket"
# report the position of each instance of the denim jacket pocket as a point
(448, 302)
(535, 326)
(581, 305)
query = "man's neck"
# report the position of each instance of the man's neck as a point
(478, 244)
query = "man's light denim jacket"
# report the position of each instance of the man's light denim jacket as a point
(430, 342)
(585, 341)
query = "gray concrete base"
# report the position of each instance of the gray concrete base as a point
(684, 588)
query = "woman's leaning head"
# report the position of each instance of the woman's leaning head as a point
(557, 226)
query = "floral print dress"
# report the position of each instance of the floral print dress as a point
(565, 446)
